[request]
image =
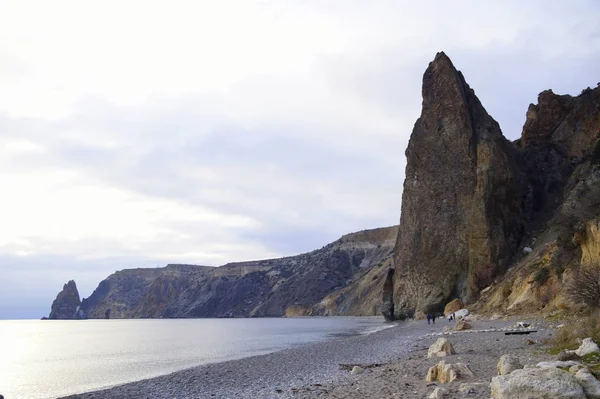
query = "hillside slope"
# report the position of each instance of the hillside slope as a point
(291, 286)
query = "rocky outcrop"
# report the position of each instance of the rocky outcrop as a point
(461, 209)
(66, 305)
(387, 308)
(335, 279)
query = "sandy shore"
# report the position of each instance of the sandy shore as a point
(314, 370)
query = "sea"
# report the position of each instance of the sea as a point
(54, 358)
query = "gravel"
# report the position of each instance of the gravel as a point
(394, 361)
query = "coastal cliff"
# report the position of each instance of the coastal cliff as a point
(290, 286)
(502, 226)
(506, 225)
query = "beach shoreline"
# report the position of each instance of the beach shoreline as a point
(313, 370)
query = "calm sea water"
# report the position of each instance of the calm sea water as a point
(47, 359)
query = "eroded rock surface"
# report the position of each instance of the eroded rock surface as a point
(536, 383)
(460, 218)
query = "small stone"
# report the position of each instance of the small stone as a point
(462, 325)
(507, 364)
(439, 393)
(576, 368)
(356, 370)
(472, 388)
(567, 355)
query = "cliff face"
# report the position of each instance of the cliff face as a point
(290, 286)
(472, 201)
(560, 154)
(460, 218)
(67, 302)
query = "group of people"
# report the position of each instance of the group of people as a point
(431, 318)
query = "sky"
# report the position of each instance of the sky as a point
(141, 133)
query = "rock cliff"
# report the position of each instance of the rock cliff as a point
(461, 208)
(292, 286)
(66, 305)
(473, 201)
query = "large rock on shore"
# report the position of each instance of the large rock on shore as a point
(587, 346)
(440, 348)
(591, 386)
(453, 306)
(446, 372)
(67, 302)
(461, 207)
(536, 383)
(507, 364)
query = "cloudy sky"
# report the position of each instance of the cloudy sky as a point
(137, 133)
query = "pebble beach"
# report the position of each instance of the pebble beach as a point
(394, 363)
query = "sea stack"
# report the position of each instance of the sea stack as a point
(67, 302)
(461, 204)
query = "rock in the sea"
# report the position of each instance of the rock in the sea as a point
(439, 392)
(357, 370)
(440, 348)
(536, 383)
(446, 372)
(587, 346)
(453, 306)
(591, 386)
(454, 237)
(67, 302)
(507, 364)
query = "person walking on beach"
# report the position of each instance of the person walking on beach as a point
(428, 319)
(433, 318)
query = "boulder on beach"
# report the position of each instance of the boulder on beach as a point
(537, 383)
(446, 372)
(459, 314)
(453, 306)
(557, 364)
(356, 370)
(591, 386)
(507, 364)
(473, 388)
(587, 346)
(440, 348)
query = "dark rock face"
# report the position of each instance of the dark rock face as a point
(387, 308)
(461, 204)
(272, 287)
(67, 302)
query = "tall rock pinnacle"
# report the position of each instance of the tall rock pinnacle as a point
(67, 302)
(461, 199)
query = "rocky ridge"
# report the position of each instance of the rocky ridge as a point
(293, 286)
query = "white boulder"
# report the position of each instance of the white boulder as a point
(591, 386)
(537, 384)
(440, 348)
(528, 250)
(587, 346)
(356, 370)
(508, 364)
(459, 314)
